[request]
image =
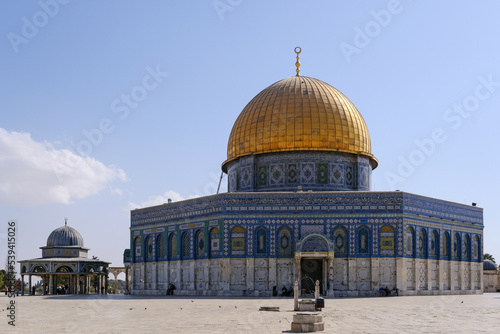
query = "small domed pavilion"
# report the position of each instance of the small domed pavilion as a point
(65, 263)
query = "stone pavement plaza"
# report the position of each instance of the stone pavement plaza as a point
(172, 314)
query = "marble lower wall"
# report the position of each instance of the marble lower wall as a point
(351, 277)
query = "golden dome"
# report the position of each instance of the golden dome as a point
(299, 114)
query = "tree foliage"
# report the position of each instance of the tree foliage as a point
(487, 256)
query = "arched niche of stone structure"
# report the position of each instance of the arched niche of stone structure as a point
(39, 269)
(64, 269)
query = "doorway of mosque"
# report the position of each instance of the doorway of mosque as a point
(311, 270)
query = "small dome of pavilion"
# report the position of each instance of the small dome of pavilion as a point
(489, 265)
(65, 236)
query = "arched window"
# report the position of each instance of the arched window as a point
(149, 249)
(422, 243)
(457, 246)
(261, 241)
(160, 247)
(387, 241)
(285, 242)
(410, 237)
(186, 245)
(434, 246)
(363, 241)
(467, 245)
(446, 246)
(340, 241)
(476, 248)
(137, 247)
(238, 241)
(172, 246)
(214, 242)
(200, 244)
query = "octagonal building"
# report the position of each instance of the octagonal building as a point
(299, 208)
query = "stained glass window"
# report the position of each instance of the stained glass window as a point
(339, 238)
(172, 246)
(186, 245)
(284, 242)
(261, 241)
(363, 241)
(160, 246)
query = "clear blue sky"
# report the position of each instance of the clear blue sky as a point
(163, 82)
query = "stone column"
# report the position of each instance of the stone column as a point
(352, 274)
(329, 290)
(401, 274)
(250, 265)
(51, 284)
(100, 284)
(106, 285)
(272, 273)
(452, 274)
(77, 284)
(154, 269)
(296, 296)
(375, 274)
(430, 264)
(298, 258)
(461, 270)
(127, 280)
(29, 284)
(22, 285)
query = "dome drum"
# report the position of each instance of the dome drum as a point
(287, 171)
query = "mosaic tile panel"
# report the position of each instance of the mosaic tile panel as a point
(306, 173)
(337, 174)
(292, 174)
(262, 175)
(277, 174)
(322, 177)
(246, 177)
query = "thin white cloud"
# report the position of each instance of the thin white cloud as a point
(33, 173)
(159, 199)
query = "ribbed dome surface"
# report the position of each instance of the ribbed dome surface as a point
(299, 114)
(65, 236)
(489, 265)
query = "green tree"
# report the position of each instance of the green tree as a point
(490, 257)
(2, 275)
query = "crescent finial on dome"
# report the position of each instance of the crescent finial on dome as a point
(298, 50)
